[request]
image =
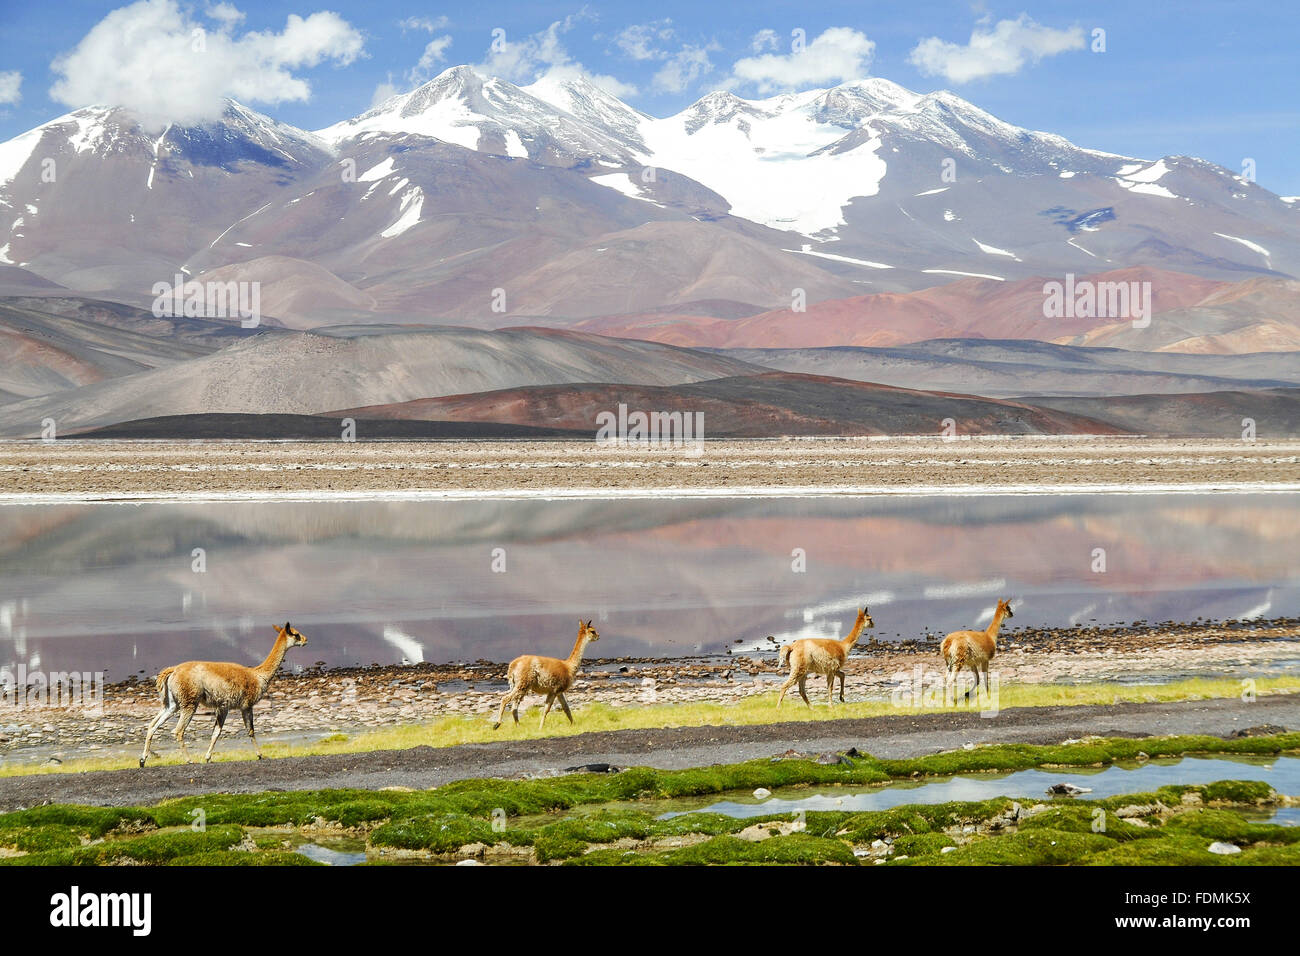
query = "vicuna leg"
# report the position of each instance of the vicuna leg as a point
(216, 732)
(160, 718)
(248, 725)
(803, 692)
(789, 682)
(550, 700)
(502, 712)
(565, 704)
(841, 676)
(830, 688)
(187, 714)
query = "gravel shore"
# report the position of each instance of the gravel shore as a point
(109, 469)
(317, 703)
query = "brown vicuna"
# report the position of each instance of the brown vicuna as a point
(973, 649)
(814, 655)
(531, 674)
(222, 686)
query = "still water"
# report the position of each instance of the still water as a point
(125, 588)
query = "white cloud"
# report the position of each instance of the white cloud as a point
(158, 60)
(1002, 50)
(641, 41)
(840, 54)
(434, 53)
(650, 42)
(10, 82)
(427, 24)
(683, 68)
(385, 90)
(765, 39)
(542, 54)
(225, 13)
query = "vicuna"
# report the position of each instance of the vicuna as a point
(222, 686)
(551, 676)
(814, 655)
(973, 649)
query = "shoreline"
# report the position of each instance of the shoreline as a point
(64, 471)
(317, 703)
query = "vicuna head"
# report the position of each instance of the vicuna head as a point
(295, 637)
(864, 618)
(587, 631)
(1004, 608)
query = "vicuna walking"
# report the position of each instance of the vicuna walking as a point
(551, 676)
(973, 649)
(814, 655)
(222, 686)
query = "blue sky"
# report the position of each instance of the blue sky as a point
(1215, 80)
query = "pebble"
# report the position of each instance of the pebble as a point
(1224, 849)
(762, 793)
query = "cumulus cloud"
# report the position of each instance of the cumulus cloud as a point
(10, 83)
(161, 61)
(1000, 50)
(653, 41)
(764, 40)
(838, 55)
(427, 24)
(225, 13)
(542, 54)
(683, 68)
(641, 41)
(434, 53)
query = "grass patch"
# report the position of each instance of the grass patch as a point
(760, 709)
(576, 818)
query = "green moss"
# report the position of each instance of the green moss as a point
(922, 844)
(36, 839)
(444, 833)
(1228, 827)
(1238, 792)
(1086, 818)
(794, 849)
(1042, 847)
(924, 818)
(94, 822)
(1167, 850)
(153, 848)
(243, 858)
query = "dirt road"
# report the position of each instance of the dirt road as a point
(422, 767)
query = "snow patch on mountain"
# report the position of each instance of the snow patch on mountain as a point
(623, 183)
(411, 203)
(807, 250)
(994, 250)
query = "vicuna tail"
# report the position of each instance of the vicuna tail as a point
(783, 657)
(161, 683)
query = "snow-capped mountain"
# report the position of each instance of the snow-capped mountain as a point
(97, 200)
(485, 114)
(579, 205)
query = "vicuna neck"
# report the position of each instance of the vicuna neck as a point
(853, 634)
(992, 630)
(266, 670)
(575, 658)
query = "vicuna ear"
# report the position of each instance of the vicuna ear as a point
(288, 626)
(589, 625)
